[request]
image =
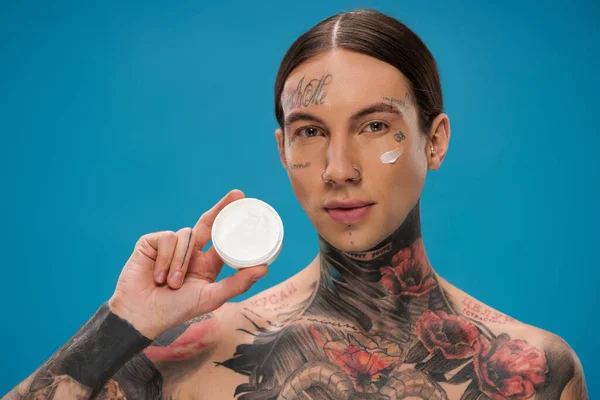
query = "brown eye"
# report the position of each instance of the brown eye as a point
(375, 126)
(309, 132)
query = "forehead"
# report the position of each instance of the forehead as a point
(354, 77)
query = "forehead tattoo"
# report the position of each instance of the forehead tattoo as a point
(303, 95)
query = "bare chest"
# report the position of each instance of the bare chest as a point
(310, 362)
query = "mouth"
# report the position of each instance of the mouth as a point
(348, 213)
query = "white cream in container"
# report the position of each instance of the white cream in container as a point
(246, 233)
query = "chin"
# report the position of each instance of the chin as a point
(355, 239)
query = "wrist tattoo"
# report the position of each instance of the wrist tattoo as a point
(91, 357)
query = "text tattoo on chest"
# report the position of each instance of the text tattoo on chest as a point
(479, 311)
(275, 298)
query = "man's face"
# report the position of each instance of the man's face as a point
(344, 110)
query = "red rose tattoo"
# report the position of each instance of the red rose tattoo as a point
(367, 361)
(454, 336)
(410, 273)
(509, 369)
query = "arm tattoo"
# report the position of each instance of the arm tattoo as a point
(138, 379)
(81, 368)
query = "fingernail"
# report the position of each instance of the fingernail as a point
(256, 277)
(161, 277)
(177, 278)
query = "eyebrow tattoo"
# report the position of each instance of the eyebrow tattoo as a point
(375, 108)
(402, 104)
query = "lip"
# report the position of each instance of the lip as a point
(346, 204)
(348, 212)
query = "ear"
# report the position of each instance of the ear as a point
(280, 136)
(439, 137)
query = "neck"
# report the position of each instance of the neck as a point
(385, 279)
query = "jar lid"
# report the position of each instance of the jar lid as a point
(247, 232)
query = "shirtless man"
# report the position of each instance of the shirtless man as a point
(359, 104)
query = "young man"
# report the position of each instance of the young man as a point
(359, 104)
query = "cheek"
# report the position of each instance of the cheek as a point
(402, 182)
(305, 164)
(306, 183)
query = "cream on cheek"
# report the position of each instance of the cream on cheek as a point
(390, 157)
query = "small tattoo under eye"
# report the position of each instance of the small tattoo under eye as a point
(399, 136)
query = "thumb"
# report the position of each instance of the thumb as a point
(217, 293)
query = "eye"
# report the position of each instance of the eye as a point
(376, 126)
(308, 132)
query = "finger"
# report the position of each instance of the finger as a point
(210, 265)
(203, 227)
(159, 247)
(216, 294)
(181, 258)
(166, 243)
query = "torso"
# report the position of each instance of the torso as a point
(289, 343)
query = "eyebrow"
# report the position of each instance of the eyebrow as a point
(372, 109)
(302, 116)
(375, 108)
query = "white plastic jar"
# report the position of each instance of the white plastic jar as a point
(246, 233)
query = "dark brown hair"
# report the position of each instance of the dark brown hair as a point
(377, 35)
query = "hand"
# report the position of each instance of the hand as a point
(169, 279)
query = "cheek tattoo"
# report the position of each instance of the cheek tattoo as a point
(399, 136)
(300, 166)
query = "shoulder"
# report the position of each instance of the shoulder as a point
(565, 377)
(529, 355)
(284, 298)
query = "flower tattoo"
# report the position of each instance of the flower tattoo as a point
(366, 360)
(454, 336)
(410, 273)
(509, 369)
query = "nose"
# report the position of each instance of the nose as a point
(340, 168)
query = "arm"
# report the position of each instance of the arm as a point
(167, 280)
(84, 365)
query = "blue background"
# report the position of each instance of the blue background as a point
(118, 120)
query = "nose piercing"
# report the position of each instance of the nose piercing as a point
(355, 179)
(325, 180)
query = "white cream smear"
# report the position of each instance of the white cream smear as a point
(390, 157)
(248, 236)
